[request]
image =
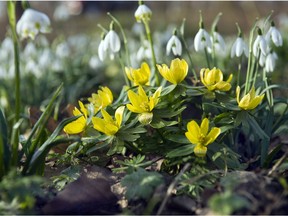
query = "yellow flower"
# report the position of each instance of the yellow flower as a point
(102, 99)
(142, 104)
(108, 125)
(213, 79)
(79, 124)
(139, 76)
(200, 137)
(177, 72)
(250, 100)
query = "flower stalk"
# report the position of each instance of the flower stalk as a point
(11, 8)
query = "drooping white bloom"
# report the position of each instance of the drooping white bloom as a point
(63, 50)
(112, 42)
(202, 40)
(262, 59)
(274, 35)
(260, 44)
(270, 62)
(218, 43)
(144, 52)
(143, 13)
(30, 50)
(175, 45)
(101, 51)
(31, 23)
(239, 47)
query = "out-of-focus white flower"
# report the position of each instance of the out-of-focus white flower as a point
(274, 35)
(94, 62)
(45, 58)
(218, 43)
(143, 13)
(30, 50)
(61, 13)
(175, 45)
(202, 40)
(260, 43)
(33, 67)
(31, 23)
(63, 50)
(270, 62)
(144, 52)
(239, 47)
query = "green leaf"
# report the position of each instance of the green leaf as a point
(168, 89)
(38, 158)
(177, 138)
(141, 184)
(258, 130)
(181, 151)
(4, 146)
(160, 123)
(226, 203)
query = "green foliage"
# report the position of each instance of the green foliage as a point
(17, 193)
(226, 203)
(141, 184)
(68, 175)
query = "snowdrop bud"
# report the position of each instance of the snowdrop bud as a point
(239, 47)
(270, 62)
(274, 35)
(143, 13)
(262, 60)
(31, 23)
(175, 45)
(260, 44)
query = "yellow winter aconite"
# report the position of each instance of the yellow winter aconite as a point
(79, 124)
(200, 137)
(250, 100)
(139, 76)
(142, 104)
(102, 99)
(176, 73)
(213, 79)
(108, 125)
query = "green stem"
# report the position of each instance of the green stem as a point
(149, 37)
(11, 8)
(124, 38)
(124, 74)
(239, 70)
(207, 57)
(187, 50)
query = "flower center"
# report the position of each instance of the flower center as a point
(145, 106)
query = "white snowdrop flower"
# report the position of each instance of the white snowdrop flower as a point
(63, 50)
(270, 62)
(260, 43)
(112, 42)
(143, 13)
(94, 62)
(274, 35)
(144, 52)
(202, 40)
(262, 59)
(101, 51)
(218, 43)
(239, 48)
(175, 45)
(2, 72)
(31, 23)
